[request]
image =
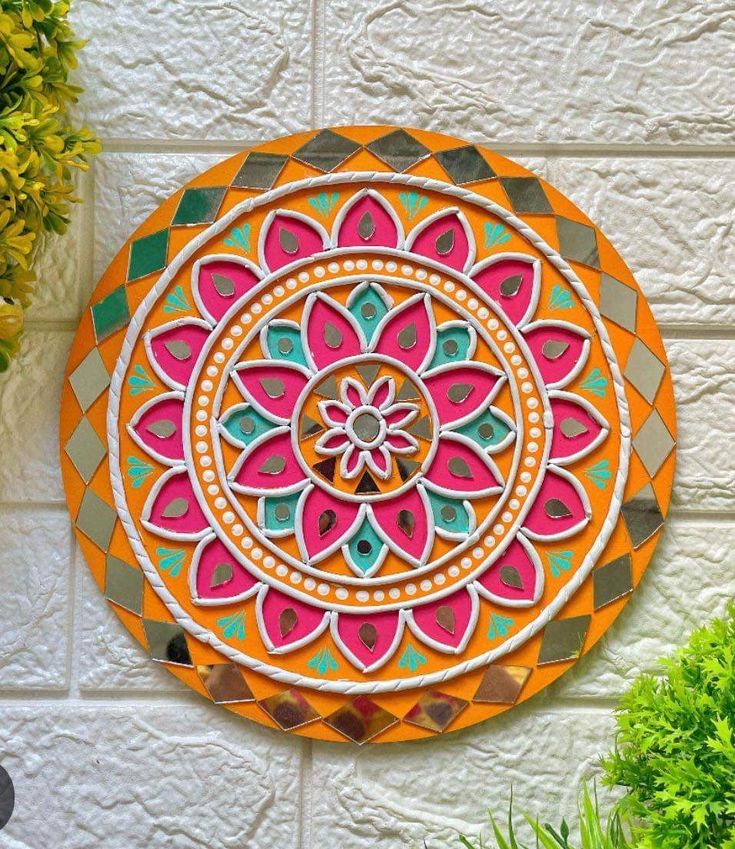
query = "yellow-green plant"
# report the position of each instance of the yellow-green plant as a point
(38, 147)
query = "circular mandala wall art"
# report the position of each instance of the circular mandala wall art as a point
(368, 434)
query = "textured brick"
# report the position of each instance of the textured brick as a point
(673, 221)
(385, 799)
(29, 414)
(163, 70)
(34, 575)
(533, 71)
(179, 777)
(689, 581)
(129, 186)
(110, 659)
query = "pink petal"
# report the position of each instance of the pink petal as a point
(332, 442)
(219, 283)
(559, 349)
(325, 522)
(381, 461)
(400, 415)
(406, 332)
(157, 427)
(173, 349)
(401, 443)
(459, 392)
(268, 464)
(560, 509)
(289, 238)
(333, 412)
(368, 640)
(368, 220)
(460, 467)
(447, 623)
(213, 584)
(516, 577)
(173, 508)
(349, 462)
(272, 389)
(407, 524)
(287, 623)
(353, 393)
(382, 392)
(578, 428)
(511, 282)
(445, 238)
(330, 332)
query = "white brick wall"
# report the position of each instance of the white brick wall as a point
(626, 108)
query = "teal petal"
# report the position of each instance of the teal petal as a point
(600, 474)
(499, 626)
(495, 234)
(368, 306)
(233, 627)
(366, 550)
(450, 514)
(138, 471)
(488, 430)
(411, 659)
(283, 342)
(244, 424)
(139, 381)
(176, 301)
(560, 298)
(273, 513)
(170, 560)
(413, 203)
(560, 561)
(453, 342)
(323, 663)
(595, 383)
(324, 202)
(239, 238)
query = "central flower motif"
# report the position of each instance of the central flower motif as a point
(366, 427)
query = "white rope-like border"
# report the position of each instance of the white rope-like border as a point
(369, 687)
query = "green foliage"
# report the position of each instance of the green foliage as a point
(38, 146)
(675, 751)
(593, 832)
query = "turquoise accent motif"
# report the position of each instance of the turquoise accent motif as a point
(560, 298)
(323, 663)
(443, 508)
(233, 627)
(487, 430)
(411, 659)
(170, 560)
(560, 561)
(495, 235)
(452, 345)
(176, 301)
(595, 383)
(413, 203)
(244, 424)
(138, 471)
(274, 512)
(239, 238)
(139, 381)
(289, 340)
(324, 202)
(368, 308)
(599, 474)
(367, 539)
(499, 626)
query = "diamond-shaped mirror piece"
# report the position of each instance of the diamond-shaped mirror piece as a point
(96, 519)
(465, 164)
(259, 171)
(653, 443)
(85, 449)
(435, 711)
(612, 581)
(563, 639)
(360, 720)
(289, 709)
(526, 195)
(326, 150)
(89, 379)
(399, 150)
(111, 313)
(618, 302)
(577, 241)
(167, 642)
(644, 371)
(148, 255)
(124, 585)
(225, 684)
(199, 205)
(642, 515)
(501, 685)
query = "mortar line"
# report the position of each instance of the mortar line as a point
(76, 620)
(305, 806)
